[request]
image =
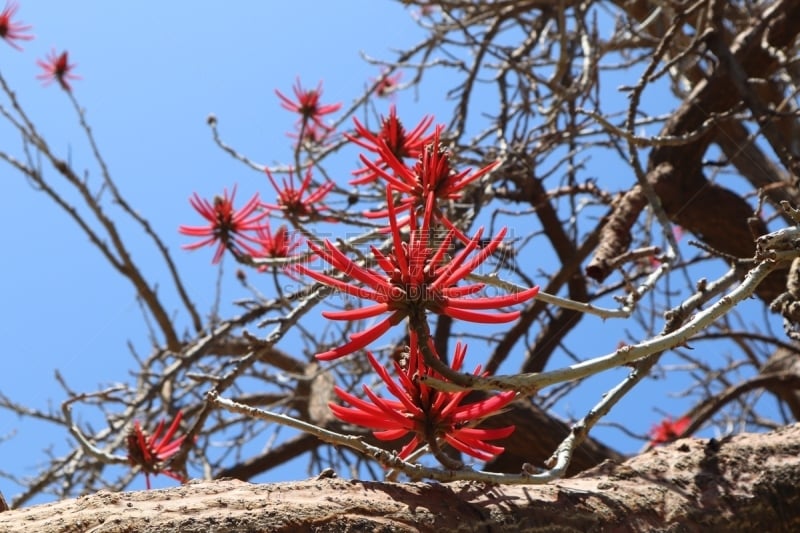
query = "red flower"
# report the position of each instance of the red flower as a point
(57, 68)
(312, 136)
(275, 245)
(11, 31)
(415, 279)
(290, 199)
(387, 85)
(149, 452)
(427, 413)
(226, 225)
(308, 104)
(394, 137)
(667, 430)
(431, 179)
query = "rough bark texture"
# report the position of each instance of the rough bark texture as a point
(676, 172)
(536, 435)
(746, 483)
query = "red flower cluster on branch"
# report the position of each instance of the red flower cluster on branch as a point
(421, 273)
(432, 175)
(668, 430)
(388, 84)
(151, 451)
(243, 231)
(57, 68)
(431, 180)
(11, 31)
(308, 105)
(227, 227)
(291, 199)
(426, 413)
(393, 136)
(417, 275)
(277, 244)
(415, 278)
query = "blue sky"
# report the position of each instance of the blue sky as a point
(152, 72)
(151, 75)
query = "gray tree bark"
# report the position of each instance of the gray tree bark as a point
(749, 482)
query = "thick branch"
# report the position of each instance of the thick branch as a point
(740, 483)
(676, 171)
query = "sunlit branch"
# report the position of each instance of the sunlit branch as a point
(530, 383)
(388, 459)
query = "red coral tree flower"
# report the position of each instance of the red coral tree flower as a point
(227, 226)
(668, 430)
(394, 137)
(277, 245)
(308, 104)
(387, 84)
(291, 200)
(312, 137)
(150, 452)
(57, 68)
(425, 412)
(415, 278)
(430, 180)
(11, 31)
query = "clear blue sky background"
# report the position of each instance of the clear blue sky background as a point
(152, 72)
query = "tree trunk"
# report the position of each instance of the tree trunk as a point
(749, 482)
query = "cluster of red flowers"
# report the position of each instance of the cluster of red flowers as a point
(387, 84)
(425, 413)
(421, 273)
(150, 452)
(13, 31)
(243, 231)
(668, 430)
(246, 231)
(310, 126)
(416, 279)
(417, 276)
(392, 136)
(56, 66)
(308, 105)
